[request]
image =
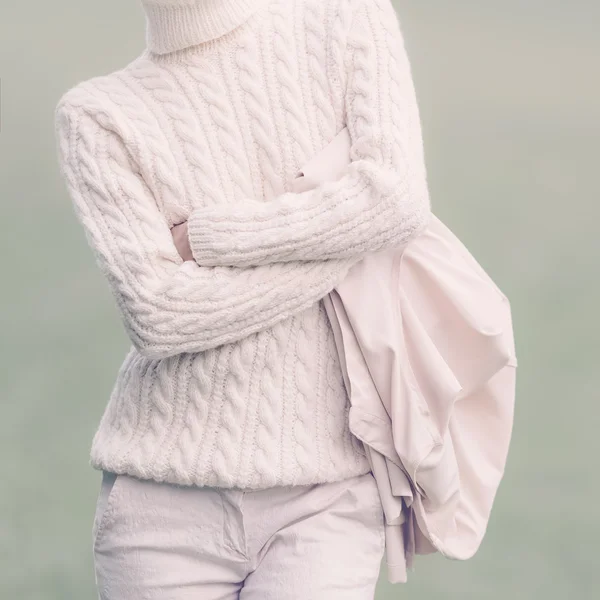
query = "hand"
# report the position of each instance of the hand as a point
(182, 242)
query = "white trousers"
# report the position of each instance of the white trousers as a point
(161, 541)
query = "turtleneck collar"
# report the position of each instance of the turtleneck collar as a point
(176, 24)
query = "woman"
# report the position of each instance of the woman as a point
(229, 469)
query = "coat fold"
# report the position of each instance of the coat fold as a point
(426, 344)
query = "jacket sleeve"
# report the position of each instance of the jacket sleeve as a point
(168, 306)
(381, 201)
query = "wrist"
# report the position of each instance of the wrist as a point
(200, 239)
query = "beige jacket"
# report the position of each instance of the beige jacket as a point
(426, 343)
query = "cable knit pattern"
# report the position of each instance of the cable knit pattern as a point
(232, 378)
(381, 201)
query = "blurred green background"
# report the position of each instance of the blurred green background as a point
(510, 103)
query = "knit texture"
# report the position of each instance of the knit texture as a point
(232, 378)
(176, 24)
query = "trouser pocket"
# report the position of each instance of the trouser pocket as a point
(104, 503)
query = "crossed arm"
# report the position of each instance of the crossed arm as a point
(255, 263)
(382, 199)
(168, 306)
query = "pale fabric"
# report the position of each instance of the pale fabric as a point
(177, 24)
(428, 354)
(161, 541)
(233, 378)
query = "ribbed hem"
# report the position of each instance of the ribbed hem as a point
(197, 234)
(176, 24)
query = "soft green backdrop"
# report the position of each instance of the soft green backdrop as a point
(510, 103)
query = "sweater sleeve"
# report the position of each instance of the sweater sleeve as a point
(381, 201)
(168, 306)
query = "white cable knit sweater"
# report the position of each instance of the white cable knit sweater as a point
(232, 379)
